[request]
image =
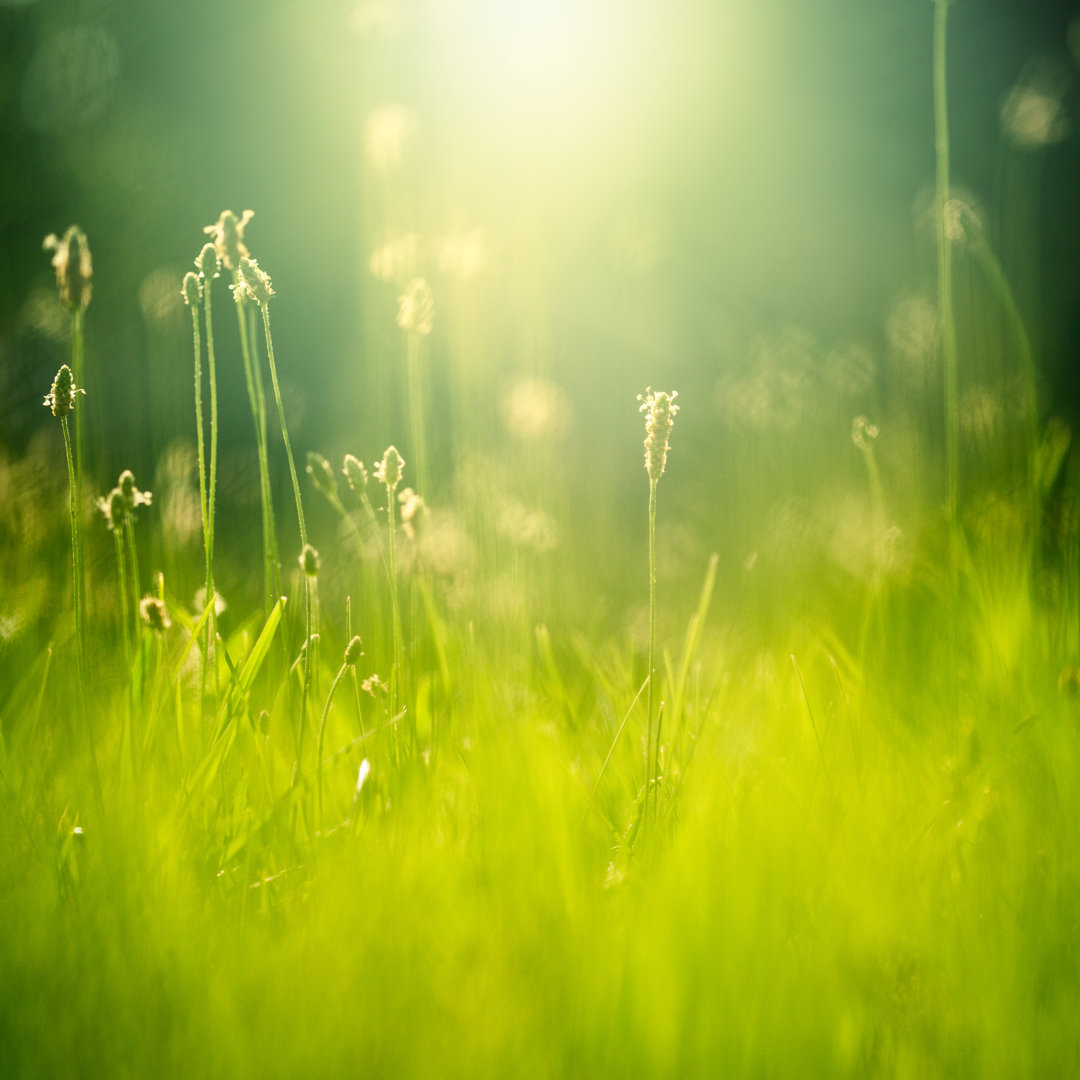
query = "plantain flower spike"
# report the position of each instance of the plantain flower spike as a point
(322, 474)
(227, 234)
(253, 283)
(61, 398)
(659, 409)
(132, 495)
(353, 651)
(154, 614)
(389, 470)
(207, 262)
(416, 308)
(114, 509)
(309, 561)
(191, 289)
(74, 267)
(356, 476)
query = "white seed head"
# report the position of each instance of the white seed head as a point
(390, 469)
(227, 234)
(659, 409)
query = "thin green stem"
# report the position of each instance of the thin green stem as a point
(125, 632)
(265, 309)
(78, 363)
(258, 417)
(395, 671)
(211, 494)
(322, 730)
(133, 556)
(649, 758)
(200, 437)
(76, 589)
(310, 626)
(416, 407)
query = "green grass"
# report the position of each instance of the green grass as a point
(856, 850)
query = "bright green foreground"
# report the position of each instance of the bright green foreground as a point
(877, 879)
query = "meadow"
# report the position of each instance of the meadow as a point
(458, 745)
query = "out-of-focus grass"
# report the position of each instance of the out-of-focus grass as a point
(860, 857)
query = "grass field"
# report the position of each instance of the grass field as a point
(407, 800)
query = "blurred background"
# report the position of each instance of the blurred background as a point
(727, 199)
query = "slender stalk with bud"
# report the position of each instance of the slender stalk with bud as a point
(74, 268)
(253, 285)
(659, 408)
(227, 240)
(389, 472)
(61, 400)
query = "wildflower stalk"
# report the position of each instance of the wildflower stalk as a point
(254, 284)
(76, 588)
(78, 360)
(388, 472)
(659, 409)
(256, 398)
(227, 236)
(650, 765)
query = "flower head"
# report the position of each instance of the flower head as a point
(309, 561)
(356, 476)
(390, 469)
(353, 651)
(208, 262)
(659, 409)
(132, 495)
(154, 614)
(73, 265)
(322, 474)
(61, 398)
(253, 283)
(191, 289)
(228, 237)
(114, 508)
